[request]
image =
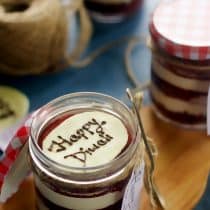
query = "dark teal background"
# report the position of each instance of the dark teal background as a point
(106, 74)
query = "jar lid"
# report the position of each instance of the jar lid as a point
(14, 164)
(181, 28)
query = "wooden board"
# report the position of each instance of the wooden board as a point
(183, 162)
(183, 165)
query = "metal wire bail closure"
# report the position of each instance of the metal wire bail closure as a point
(156, 199)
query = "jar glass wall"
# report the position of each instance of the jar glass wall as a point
(180, 63)
(179, 89)
(83, 183)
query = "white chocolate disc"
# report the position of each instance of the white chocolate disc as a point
(86, 139)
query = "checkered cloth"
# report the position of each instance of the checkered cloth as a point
(10, 156)
(182, 29)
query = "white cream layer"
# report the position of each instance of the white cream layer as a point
(176, 105)
(68, 202)
(179, 81)
(107, 148)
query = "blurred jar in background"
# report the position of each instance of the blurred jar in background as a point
(180, 72)
(112, 11)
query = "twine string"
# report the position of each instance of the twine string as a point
(139, 86)
(156, 199)
(100, 50)
(132, 41)
(85, 32)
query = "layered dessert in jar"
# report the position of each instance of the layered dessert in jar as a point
(83, 149)
(180, 63)
(112, 10)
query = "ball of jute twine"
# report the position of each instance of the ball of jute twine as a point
(33, 35)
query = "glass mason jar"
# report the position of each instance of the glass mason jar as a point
(180, 63)
(112, 11)
(82, 184)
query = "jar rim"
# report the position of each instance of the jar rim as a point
(35, 148)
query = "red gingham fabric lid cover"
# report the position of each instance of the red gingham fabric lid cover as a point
(14, 165)
(182, 28)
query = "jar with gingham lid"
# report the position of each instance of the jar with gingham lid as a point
(180, 43)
